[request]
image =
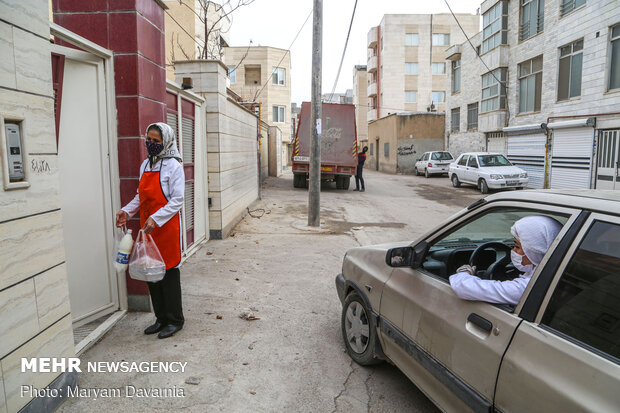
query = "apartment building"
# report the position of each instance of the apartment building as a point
(542, 86)
(360, 100)
(345, 98)
(187, 24)
(263, 74)
(406, 61)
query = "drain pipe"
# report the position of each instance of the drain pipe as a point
(547, 151)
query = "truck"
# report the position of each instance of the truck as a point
(338, 145)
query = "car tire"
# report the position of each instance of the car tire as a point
(426, 174)
(455, 181)
(417, 173)
(358, 330)
(484, 188)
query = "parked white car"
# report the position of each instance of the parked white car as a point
(487, 171)
(431, 163)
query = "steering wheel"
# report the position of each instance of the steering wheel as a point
(501, 260)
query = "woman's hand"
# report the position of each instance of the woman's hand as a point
(121, 218)
(149, 225)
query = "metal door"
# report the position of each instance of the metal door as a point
(496, 142)
(528, 153)
(571, 158)
(608, 174)
(85, 185)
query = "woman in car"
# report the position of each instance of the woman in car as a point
(533, 236)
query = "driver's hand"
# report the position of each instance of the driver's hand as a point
(467, 268)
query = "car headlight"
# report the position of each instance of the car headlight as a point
(523, 175)
(493, 176)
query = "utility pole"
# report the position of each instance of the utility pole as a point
(314, 186)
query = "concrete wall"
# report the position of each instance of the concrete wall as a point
(275, 151)
(35, 318)
(264, 151)
(360, 100)
(407, 136)
(231, 146)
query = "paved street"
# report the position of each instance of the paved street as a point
(293, 357)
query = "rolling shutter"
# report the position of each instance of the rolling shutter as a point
(571, 161)
(527, 151)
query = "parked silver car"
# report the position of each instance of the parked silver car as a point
(487, 171)
(432, 163)
(557, 350)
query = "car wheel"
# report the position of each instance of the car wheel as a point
(426, 174)
(484, 188)
(455, 181)
(417, 172)
(358, 330)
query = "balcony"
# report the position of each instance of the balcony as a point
(371, 65)
(372, 89)
(454, 52)
(372, 115)
(372, 37)
(498, 57)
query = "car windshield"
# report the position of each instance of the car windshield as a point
(441, 156)
(493, 160)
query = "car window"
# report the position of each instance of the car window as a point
(425, 157)
(454, 248)
(585, 304)
(493, 160)
(472, 162)
(441, 156)
(463, 160)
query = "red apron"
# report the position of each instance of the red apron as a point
(168, 236)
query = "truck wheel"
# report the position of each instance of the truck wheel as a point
(338, 182)
(305, 181)
(358, 330)
(298, 181)
(346, 181)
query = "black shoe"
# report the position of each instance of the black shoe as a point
(169, 331)
(155, 328)
(363, 190)
(356, 189)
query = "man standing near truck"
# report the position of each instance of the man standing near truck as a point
(361, 158)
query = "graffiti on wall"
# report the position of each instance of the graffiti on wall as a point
(405, 150)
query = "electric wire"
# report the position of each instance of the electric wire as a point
(504, 84)
(343, 52)
(183, 28)
(287, 52)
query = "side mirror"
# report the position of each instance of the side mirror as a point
(400, 257)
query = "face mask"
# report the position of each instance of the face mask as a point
(517, 262)
(154, 148)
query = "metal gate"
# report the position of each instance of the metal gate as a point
(571, 158)
(528, 153)
(608, 174)
(496, 142)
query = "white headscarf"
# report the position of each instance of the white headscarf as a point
(535, 233)
(168, 137)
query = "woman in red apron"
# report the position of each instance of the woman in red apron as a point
(161, 194)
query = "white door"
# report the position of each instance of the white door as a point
(528, 153)
(571, 158)
(496, 142)
(608, 173)
(85, 188)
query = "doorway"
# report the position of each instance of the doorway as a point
(608, 174)
(376, 154)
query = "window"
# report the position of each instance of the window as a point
(411, 96)
(532, 18)
(441, 156)
(455, 120)
(530, 84)
(569, 5)
(569, 78)
(456, 76)
(232, 74)
(411, 68)
(279, 76)
(493, 160)
(495, 22)
(472, 163)
(463, 160)
(439, 68)
(472, 116)
(279, 113)
(441, 39)
(371, 149)
(585, 304)
(252, 75)
(494, 92)
(411, 39)
(614, 64)
(386, 149)
(439, 97)
(426, 156)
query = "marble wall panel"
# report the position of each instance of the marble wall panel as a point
(27, 14)
(7, 63)
(19, 320)
(52, 293)
(2, 396)
(32, 63)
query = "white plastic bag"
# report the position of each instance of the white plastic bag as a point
(146, 262)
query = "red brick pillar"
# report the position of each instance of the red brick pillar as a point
(134, 31)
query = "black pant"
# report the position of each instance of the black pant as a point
(358, 177)
(166, 298)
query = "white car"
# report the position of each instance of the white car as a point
(432, 163)
(487, 171)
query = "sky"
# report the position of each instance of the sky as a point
(276, 22)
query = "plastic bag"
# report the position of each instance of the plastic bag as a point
(146, 262)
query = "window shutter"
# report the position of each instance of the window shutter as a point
(172, 120)
(189, 207)
(188, 140)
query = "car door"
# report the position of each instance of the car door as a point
(461, 168)
(472, 170)
(420, 164)
(452, 348)
(568, 358)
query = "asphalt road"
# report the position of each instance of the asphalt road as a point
(292, 358)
